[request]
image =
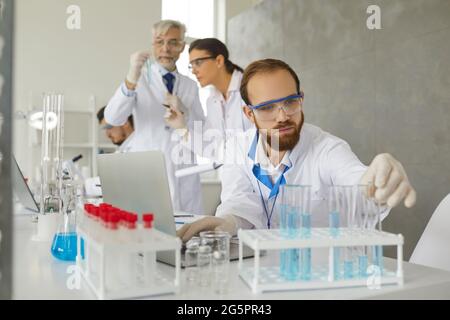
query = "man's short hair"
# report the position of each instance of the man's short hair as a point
(163, 26)
(101, 116)
(264, 66)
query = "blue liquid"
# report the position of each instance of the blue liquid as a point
(348, 269)
(292, 264)
(336, 263)
(306, 253)
(334, 224)
(306, 225)
(64, 246)
(306, 264)
(292, 225)
(378, 257)
(82, 248)
(362, 265)
(283, 263)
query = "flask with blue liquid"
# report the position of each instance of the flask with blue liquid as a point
(64, 246)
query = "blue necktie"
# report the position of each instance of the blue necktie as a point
(169, 81)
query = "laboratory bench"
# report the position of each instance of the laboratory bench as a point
(38, 275)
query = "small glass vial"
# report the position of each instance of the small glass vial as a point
(191, 257)
(204, 265)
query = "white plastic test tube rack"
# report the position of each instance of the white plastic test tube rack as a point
(94, 265)
(261, 279)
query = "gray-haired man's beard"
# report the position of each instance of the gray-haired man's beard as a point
(287, 142)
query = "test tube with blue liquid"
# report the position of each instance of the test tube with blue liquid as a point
(349, 195)
(335, 210)
(289, 212)
(363, 212)
(374, 223)
(305, 230)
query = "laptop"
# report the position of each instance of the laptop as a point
(22, 190)
(137, 182)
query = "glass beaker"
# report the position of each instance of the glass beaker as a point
(219, 242)
(64, 246)
(191, 254)
(204, 265)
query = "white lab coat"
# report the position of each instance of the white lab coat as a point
(152, 133)
(129, 145)
(223, 119)
(319, 159)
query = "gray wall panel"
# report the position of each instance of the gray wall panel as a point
(262, 30)
(321, 31)
(381, 90)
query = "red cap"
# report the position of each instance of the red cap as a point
(148, 220)
(87, 209)
(131, 219)
(112, 219)
(103, 214)
(95, 212)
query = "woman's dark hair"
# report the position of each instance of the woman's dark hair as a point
(215, 47)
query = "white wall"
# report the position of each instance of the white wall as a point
(93, 60)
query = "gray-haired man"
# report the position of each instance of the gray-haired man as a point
(154, 93)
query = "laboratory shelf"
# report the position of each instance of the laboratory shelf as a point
(101, 257)
(268, 278)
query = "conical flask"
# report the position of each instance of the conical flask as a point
(64, 246)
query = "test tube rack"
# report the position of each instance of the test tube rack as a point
(261, 278)
(100, 250)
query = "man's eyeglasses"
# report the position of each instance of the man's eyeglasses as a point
(269, 110)
(194, 64)
(107, 127)
(173, 44)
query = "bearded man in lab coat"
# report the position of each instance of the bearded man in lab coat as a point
(156, 94)
(282, 149)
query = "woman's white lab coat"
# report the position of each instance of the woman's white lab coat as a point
(319, 159)
(224, 118)
(152, 133)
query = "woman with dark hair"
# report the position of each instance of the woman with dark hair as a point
(210, 63)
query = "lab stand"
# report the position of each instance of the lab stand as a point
(268, 278)
(104, 263)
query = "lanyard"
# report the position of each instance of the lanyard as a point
(269, 217)
(274, 190)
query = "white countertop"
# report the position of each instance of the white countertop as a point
(37, 275)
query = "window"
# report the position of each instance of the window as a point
(199, 18)
(197, 15)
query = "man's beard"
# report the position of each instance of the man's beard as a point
(118, 143)
(121, 141)
(287, 142)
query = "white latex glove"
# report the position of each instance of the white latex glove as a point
(175, 115)
(227, 224)
(137, 61)
(390, 181)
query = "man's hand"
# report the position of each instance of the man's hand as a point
(227, 224)
(390, 181)
(175, 114)
(137, 61)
